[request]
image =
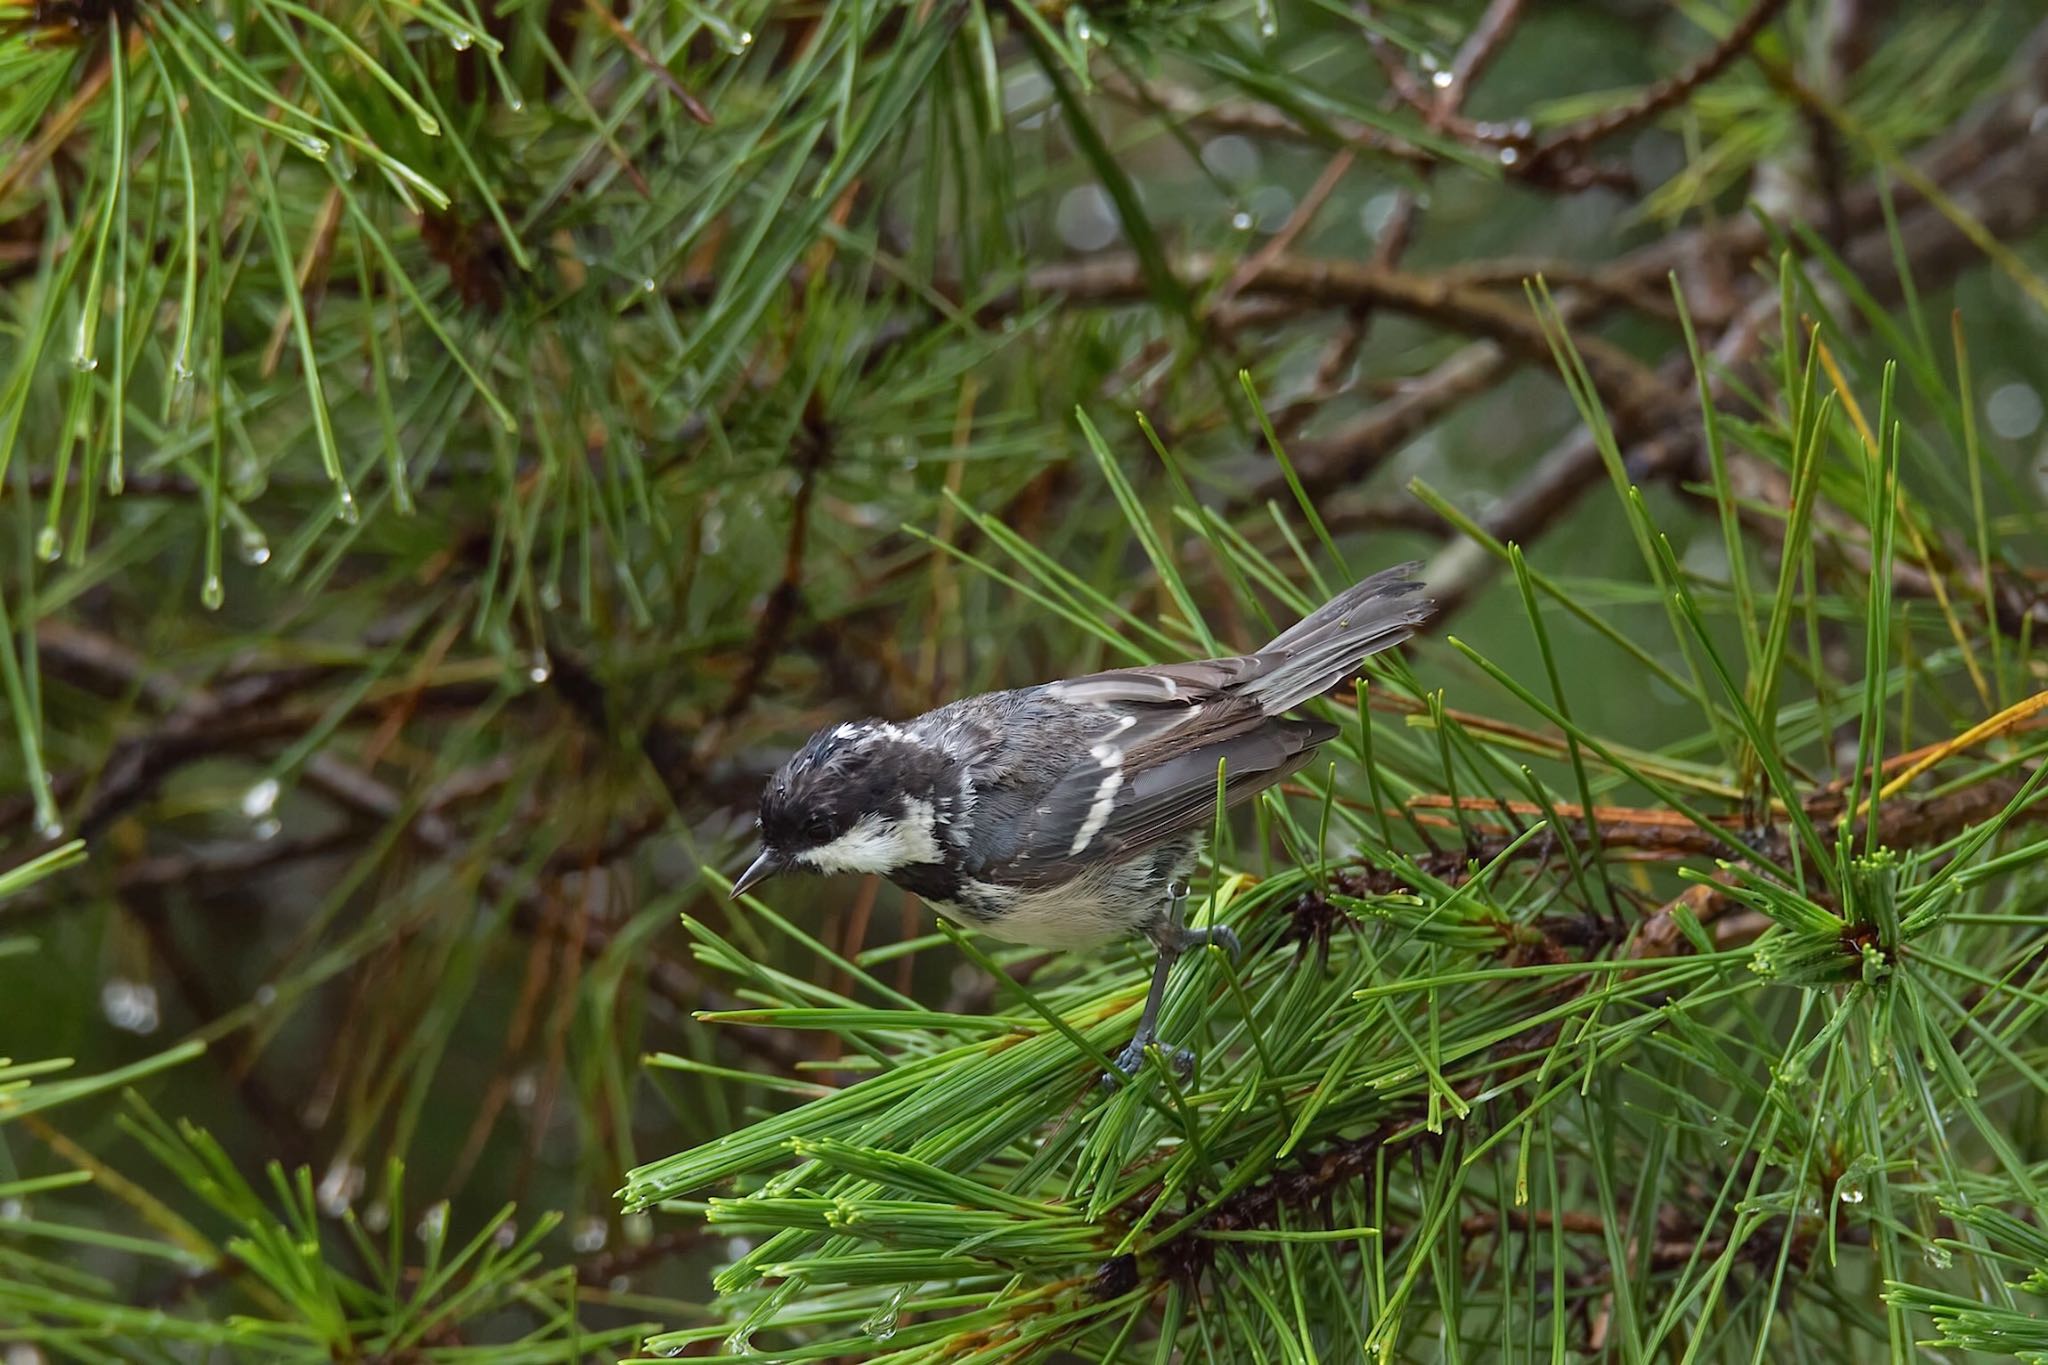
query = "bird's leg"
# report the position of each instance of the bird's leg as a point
(1133, 1056)
(1172, 938)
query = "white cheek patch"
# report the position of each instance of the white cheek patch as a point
(880, 843)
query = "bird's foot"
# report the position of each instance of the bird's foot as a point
(1132, 1058)
(1222, 936)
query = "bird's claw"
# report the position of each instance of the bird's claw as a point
(1173, 938)
(1220, 935)
(1128, 1062)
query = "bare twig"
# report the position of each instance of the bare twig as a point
(1635, 395)
(1572, 140)
(1260, 120)
(1481, 45)
(813, 453)
(650, 63)
(1346, 455)
(1990, 168)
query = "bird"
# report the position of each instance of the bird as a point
(1071, 814)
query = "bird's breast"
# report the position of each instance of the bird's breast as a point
(1077, 914)
(1099, 904)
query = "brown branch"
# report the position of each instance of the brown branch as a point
(198, 872)
(1991, 167)
(134, 484)
(1572, 140)
(207, 722)
(1310, 1182)
(1632, 391)
(1509, 145)
(667, 752)
(1523, 1220)
(1344, 513)
(1260, 120)
(1307, 1185)
(288, 1137)
(1485, 42)
(1349, 453)
(666, 979)
(649, 63)
(1282, 242)
(1903, 822)
(1562, 474)
(771, 627)
(60, 125)
(243, 714)
(1481, 45)
(236, 717)
(1911, 822)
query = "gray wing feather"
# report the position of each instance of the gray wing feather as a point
(1371, 595)
(1150, 804)
(1151, 771)
(1156, 684)
(1323, 651)
(1315, 655)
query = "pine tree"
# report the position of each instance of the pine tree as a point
(448, 456)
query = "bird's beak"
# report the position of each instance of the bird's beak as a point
(764, 866)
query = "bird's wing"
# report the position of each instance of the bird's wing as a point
(1125, 797)
(1148, 773)
(1165, 685)
(1309, 659)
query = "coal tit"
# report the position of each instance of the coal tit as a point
(1071, 813)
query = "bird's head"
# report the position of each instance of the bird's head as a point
(858, 797)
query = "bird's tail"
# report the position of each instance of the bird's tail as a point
(1324, 649)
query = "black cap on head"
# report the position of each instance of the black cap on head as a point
(842, 773)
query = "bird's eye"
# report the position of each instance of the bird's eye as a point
(819, 825)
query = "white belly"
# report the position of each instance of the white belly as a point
(1066, 917)
(1102, 905)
